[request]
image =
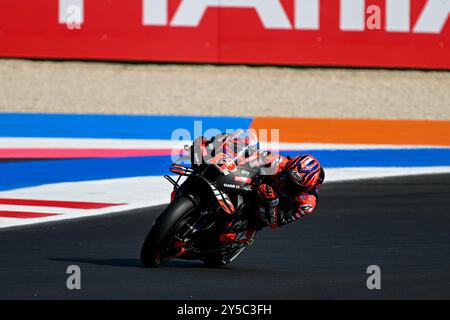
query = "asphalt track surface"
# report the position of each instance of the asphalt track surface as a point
(400, 224)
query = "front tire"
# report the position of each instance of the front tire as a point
(163, 230)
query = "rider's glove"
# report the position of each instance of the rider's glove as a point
(306, 205)
(269, 211)
(267, 193)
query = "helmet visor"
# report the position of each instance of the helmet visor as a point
(291, 188)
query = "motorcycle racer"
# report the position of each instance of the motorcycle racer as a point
(287, 194)
(292, 192)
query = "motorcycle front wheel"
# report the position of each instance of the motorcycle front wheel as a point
(154, 250)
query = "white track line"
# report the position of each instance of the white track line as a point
(12, 222)
(20, 143)
(40, 209)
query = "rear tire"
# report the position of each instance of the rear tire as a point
(163, 230)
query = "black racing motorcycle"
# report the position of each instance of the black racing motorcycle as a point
(212, 192)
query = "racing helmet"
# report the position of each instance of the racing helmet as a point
(302, 174)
